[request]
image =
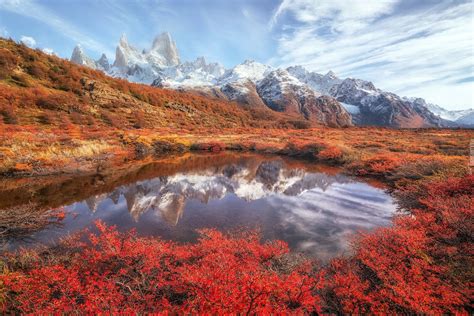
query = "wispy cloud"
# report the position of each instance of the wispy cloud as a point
(3, 32)
(28, 41)
(35, 10)
(427, 50)
(344, 16)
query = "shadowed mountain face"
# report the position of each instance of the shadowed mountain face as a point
(312, 210)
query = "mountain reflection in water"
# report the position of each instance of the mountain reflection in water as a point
(313, 211)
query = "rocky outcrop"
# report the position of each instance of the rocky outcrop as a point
(284, 93)
(377, 107)
(79, 57)
(103, 63)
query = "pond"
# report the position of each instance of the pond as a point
(314, 208)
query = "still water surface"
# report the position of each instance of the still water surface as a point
(313, 208)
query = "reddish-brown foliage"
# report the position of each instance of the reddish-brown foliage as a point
(8, 62)
(330, 153)
(219, 274)
(419, 264)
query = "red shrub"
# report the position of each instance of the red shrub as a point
(8, 62)
(330, 153)
(377, 165)
(124, 273)
(53, 102)
(416, 266)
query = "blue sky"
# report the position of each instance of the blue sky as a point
(411, 47)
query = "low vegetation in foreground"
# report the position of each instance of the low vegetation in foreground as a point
(62, 118)
(420, 265)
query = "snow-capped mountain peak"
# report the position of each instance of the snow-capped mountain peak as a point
(164, 46)
(331, 75)
(103, 63)
(276, 84)
(318, 82)
(126, 55)
(248, 70)
(123, 42)
(462, 117)
(162, 40)
(79, 57)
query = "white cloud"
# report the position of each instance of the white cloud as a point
(345, 16)
(28, 41)
(48, 51)
(416, 51)
(3, 32)
(246, 13)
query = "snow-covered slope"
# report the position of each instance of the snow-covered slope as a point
(193, 74)
(318, 82)
(462, 117)
(248, 70)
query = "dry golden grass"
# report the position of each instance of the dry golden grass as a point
(32, 150)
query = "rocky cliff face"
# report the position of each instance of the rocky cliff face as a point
(164, 50)
(79, 57)
(377, 107)
(284, 93)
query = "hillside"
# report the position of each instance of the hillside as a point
(43, 90)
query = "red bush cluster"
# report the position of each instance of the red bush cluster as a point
(330, 153)
(125, 273)
(419, 264)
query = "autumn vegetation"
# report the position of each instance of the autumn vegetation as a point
(59, 118)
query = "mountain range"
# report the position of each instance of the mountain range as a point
(317, 98)
(248, 180)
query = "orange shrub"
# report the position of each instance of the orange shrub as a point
(330, 153)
